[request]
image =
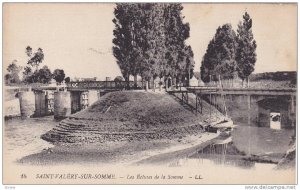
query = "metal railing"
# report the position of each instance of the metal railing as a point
(118, 85)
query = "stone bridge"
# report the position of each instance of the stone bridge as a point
(244, 105)
(249, 106)
(62, 101)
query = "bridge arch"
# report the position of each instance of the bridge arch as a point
(274, 109)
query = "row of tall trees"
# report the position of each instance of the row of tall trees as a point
(229, 53)
(149, 41)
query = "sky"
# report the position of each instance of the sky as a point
(78, 37)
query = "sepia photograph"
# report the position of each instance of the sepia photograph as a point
(149, 93)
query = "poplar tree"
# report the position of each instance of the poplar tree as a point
(209, 62)
(246, 48)
(149, 40)
(219, 59)
(122, 40)
(154, 42)
(176, 33)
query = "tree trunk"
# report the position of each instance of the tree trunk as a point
(135, 80)
(175, 82)
(166, 83)
(127, 81)
(248, 84)
(153, 84)
(220, 83)
(243, 83)
(147, 85)
(189, 77)
(160, 84)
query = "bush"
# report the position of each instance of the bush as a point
(119, 79)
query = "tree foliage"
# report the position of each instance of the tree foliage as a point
(149, 40)
(67, 79)
(228, 53)
(123, 39)
(58, 75)
(13, 73)
(246, 50)
(35, 59)
(42, 75)
(119, 79)
(27, 75)
(219, 58)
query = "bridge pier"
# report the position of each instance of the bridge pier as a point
(62, 104)
(93, 96)
(75, 101)
(292, 111)
(292, 101)
(27, 103)
(83, 99)
(217, 102)
(44, 103)
(50, 102)
(40, 103)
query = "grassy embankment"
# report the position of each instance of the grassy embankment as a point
(125, 126)
(129, 115)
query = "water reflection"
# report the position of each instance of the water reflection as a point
(215, 161)
(214, 156)
(206, 160)
(226, 160)
(223, 152)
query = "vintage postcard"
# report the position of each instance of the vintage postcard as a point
(149, 93)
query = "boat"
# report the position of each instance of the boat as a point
(226, 123)
(221, 126)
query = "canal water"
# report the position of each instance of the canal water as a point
(22, 136)
(267, 146)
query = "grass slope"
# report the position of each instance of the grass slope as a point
(128, 115)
